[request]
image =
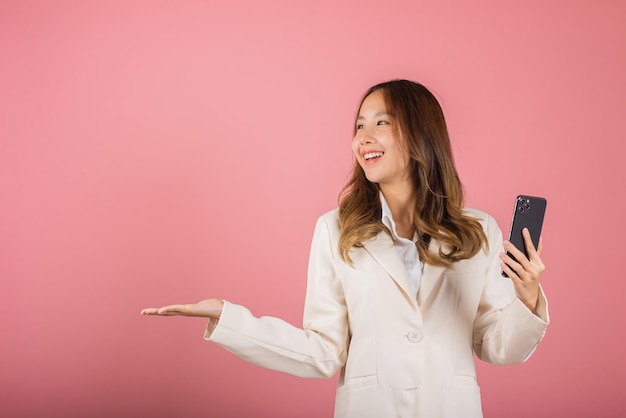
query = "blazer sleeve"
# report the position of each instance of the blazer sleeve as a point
(505, 330)
(317, 350)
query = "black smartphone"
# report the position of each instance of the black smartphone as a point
(528, 213)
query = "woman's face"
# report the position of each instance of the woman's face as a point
(376, 146)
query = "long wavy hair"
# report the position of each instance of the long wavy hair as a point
(438, 214)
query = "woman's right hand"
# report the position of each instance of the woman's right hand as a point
(209, 308)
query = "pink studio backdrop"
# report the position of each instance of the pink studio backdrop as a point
(156, 152)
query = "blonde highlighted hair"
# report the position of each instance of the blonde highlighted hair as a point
(438, 214)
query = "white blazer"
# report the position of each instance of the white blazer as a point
(399, 357)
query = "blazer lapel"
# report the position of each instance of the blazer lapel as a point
(431, 276)
(382, 249)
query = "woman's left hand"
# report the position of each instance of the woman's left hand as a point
(525, 272)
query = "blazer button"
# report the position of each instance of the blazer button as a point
(414, 335)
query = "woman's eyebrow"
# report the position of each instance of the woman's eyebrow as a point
(377, 114)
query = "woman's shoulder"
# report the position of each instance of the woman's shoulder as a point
(331, 215)
(477, 214)
(329, 222)
(330, 219)
(327, 226)
(487, 221)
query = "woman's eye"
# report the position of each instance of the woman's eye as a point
(361, 126)
(382, 122)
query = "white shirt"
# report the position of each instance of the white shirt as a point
(407, 249)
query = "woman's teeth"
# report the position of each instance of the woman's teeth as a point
(371, 155)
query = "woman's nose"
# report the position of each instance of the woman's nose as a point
(365, 139)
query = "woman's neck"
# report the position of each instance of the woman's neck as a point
(401, 202)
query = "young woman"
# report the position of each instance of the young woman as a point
(404, 282)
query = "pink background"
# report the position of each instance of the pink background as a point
(156, 152)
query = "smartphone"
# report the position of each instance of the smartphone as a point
(528, 213)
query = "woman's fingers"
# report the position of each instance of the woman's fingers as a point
(528, 243)
(169, 310)
(150, 311)
(540, 246)
(518, 262)
(525, 272)
(210, 308)
(508, 270)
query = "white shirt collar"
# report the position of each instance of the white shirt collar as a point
(406, 248)
(387, 219)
